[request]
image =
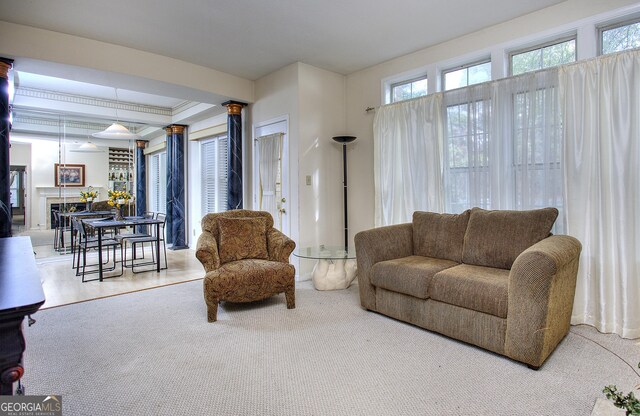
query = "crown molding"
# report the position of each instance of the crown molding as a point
(92, 101)
(75, 124)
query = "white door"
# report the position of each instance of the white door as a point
(271, 173)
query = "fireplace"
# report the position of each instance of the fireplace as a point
(79, 206)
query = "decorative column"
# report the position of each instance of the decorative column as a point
(141, 181)
(5, 173)
(178, 214)
(169, 190)
(234, 132)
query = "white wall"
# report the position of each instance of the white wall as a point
(322, 116)
(364, 88)
(314, 102)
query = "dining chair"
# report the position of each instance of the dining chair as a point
(86, 243)
(60, 226)
(152, 239)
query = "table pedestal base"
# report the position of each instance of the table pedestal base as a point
(334, 274)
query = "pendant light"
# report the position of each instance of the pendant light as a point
(87, 147)
(116, 130)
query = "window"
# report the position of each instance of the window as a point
(620, 37)
(544, 56)
(214, 173)
(502, 145)
(406, 90)
(466, 75)
(158, 182)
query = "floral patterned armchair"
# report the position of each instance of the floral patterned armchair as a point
(245, 259)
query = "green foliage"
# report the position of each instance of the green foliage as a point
(629, 402)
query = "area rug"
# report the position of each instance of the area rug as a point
(153, 352)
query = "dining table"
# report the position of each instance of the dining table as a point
(109, 223)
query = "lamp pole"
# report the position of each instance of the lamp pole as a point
(344, 140)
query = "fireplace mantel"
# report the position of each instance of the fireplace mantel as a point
(48, 195)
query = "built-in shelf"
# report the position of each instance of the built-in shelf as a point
(121, 169)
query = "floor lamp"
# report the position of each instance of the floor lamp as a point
(344, 140)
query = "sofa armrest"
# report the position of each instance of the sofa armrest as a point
(376, 245)
(542, 285)
(279, 246)
(207, 251)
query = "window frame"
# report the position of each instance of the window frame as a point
(468, 65)
(554, 41)
(405, 82)
(612, 25)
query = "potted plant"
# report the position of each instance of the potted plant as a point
(627, 402)
(88, 196)
(118, 199)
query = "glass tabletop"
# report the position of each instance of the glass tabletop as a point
(325, 252)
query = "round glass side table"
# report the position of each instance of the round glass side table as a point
(335, 268)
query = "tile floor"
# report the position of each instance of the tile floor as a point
(62, 286)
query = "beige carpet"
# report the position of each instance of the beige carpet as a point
(153, 353)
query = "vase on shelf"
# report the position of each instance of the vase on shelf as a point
(89, 202)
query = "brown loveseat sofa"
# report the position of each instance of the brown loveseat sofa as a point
(495, 279)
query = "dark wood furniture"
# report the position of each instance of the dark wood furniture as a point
(20, 295)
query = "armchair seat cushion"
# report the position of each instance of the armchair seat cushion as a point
(249, 280)
(482, 289)
(409, 275)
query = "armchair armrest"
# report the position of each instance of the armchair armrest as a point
(376, 245)
(207, 251)
(542, 285)
(279, 246)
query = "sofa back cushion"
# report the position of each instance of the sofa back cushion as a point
(496, 238)
(439, 235)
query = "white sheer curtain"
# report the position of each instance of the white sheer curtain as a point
(269, 154)
(503, 144)
(407, 159)
(600, 99)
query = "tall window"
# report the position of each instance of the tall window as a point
(214, 173)
(620, 37)
(503, 145)
(466, 75)
(405, 90)
(158, 182)
(543, 56)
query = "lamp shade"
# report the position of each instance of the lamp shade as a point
(344, 139)
(116, 131)
(87, 148)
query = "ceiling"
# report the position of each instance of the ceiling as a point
(248, 38)
(252, 38)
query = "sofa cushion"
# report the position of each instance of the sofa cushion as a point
(496, 238)
(482, 289)
(242, 238)
(439, 235)
(409, 275)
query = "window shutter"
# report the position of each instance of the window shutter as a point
(214, 174)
